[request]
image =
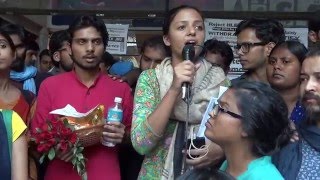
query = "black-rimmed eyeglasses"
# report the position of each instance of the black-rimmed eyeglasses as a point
(217, 109)
(246, 46)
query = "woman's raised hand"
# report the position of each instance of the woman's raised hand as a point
(184, 72)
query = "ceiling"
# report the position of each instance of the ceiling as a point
(145, 16)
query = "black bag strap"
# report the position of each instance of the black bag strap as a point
(178, 147)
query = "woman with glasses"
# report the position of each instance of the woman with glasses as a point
(249, 123)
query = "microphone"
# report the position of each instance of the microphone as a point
(188, 53)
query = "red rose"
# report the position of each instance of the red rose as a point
(42, 148)
(65, 132)
(53, 132)
(51, 142)
(56, 135)
(63, 146)
(42, 136)
(73, 138)
(48, 136)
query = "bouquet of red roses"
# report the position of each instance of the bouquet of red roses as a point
(58, 135)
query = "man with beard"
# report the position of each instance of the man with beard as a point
(301, 160)
(255, 40)
(84, 88)
(25, 77)
(59, 47)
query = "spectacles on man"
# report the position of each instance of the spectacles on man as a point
(246, 46)
(217, 109)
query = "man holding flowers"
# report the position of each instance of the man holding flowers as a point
(84, 88)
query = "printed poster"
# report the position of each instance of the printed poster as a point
(118, 37)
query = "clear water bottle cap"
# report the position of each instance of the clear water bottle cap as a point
(118, 100)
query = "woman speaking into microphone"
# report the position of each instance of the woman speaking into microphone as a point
(160, 114)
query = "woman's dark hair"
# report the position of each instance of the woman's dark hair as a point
(267, 30)
(14, 29)
(265, 116)
(172, 14)
(295, 47)
(314, 25)
(205, 174)
(313, 53)
(56, 43)
(90, 21)
(57, 39)
(7, 37)
(108, 59)
(219, 47)
(155, 42)
(32, 45)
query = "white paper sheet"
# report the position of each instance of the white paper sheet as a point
(70, 111)
(212, 103)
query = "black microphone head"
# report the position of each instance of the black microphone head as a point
(188, 52)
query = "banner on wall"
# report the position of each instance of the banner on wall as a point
(298, 34)
(118, 37)
(224, 29)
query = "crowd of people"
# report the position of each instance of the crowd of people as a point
(266, 125)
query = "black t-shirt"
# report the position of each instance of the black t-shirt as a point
(40, 76)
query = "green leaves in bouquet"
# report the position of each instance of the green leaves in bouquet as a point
(59, 135)
(78, 160)
(51, 154)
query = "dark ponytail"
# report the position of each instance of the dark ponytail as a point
(284, 138)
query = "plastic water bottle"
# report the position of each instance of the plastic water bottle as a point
(115, 114)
